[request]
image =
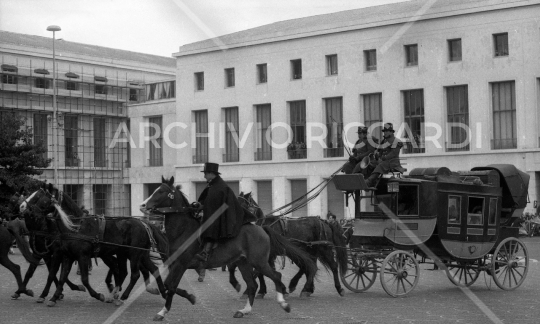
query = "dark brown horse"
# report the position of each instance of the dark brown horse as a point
(249, 250)
(318, 237)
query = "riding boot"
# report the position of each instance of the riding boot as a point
(203, 256)
(372, 180)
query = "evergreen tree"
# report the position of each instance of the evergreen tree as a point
(20, 158)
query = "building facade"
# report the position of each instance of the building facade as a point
(97, 89)
(459, 80)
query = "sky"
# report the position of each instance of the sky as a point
(157, 27)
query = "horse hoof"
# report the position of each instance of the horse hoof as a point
(192, 299)
(15, 296)
(81, 288)
(291, 289)
(260, 296)
(61, 297)
(116, 296)
(200, 279)
(118, 302)
(153, 291)
(342, 292)
(110, 287)
(29, 292)
(108, 300)
(238, 287)
(101, 298)
(238, 314)
(158, 318)
(244, 297)
(51, 303)
(286, 308)
(40, 300)
(304, 294)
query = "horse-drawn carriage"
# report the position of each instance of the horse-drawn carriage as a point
(465, 222)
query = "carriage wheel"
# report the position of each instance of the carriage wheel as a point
(510, 263)
(361, 273)
(463, 274)
(399, 273)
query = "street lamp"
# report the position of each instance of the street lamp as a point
(54, 29)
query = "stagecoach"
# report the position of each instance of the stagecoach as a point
(463, 222)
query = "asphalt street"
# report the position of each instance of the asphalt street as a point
(434, 300)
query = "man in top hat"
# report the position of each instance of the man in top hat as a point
(362, 148)
(387, 154)
(216, 194)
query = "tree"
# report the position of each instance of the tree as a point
(20, 158)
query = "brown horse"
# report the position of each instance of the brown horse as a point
(249, 250)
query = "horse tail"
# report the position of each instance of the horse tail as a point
(162, 242)
(340, 244)
(14, 228)
(279, 245)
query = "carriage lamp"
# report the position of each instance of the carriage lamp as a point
(393, 187)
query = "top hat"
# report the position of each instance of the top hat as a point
(388, 127)
(211, 167)
(362, 130)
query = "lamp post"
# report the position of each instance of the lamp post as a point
(54, 29)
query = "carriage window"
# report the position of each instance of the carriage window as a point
(475, 211)
(454, 210)
(407, 200)
(492, 220)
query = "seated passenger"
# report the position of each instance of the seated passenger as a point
(387, 155)
(362, 148)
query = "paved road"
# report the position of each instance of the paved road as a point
(435, 300)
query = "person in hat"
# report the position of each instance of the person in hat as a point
(387, 155)
(215, 195)
(362, 148)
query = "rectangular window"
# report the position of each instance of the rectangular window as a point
(229, 78)
(370, 58)
(156, 148)
(9, 79)
(133, 95)
(503, 96)
(297, 148)
(232, 153)
(101, 89)
(454, 210)
(70, 85)
(296, 69)
(298, 198)
(457, 105)
(454, 50)
(408, 200)
(100, 192)
(264, 195)
(264, 119)
(414, 119)
(201, 136)
(492, 218)
(373, 112)
(334, 127)
(199, 81)
(42, 83)
(262, 76)
(475, 211)
(99, 143)
(411, 55)
(41, 132)
(500, 42)
(331, 65)
(71, 140)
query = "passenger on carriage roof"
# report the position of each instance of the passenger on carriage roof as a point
(215, 195)
(387, 155)
(362, 148)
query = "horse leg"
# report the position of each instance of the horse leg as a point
(146, 276)
(232, 278)
(328, 254)
(262, 289)
(176, 271)
(16, 270)
(112, 263)
(66, 268)
(147, 264)
(265, 269)
(135, 275)
(247, 274)
(294, 280)
(84, 262)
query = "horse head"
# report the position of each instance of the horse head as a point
(166, 195)
(247, 202)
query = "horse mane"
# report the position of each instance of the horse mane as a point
(70, 206)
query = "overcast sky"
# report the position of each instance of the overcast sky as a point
(157, 26)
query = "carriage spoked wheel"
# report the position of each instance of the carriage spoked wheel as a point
(463, 274)
(399, 273)
(361, 273)
(510, 264)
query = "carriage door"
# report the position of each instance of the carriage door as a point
(475, 217)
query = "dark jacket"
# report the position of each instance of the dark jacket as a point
(229, 222)
(363, 148)
(389, 153)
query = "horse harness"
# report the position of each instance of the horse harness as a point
(283, 224)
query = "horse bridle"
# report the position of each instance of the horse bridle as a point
(251, 205)
(171, 209)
